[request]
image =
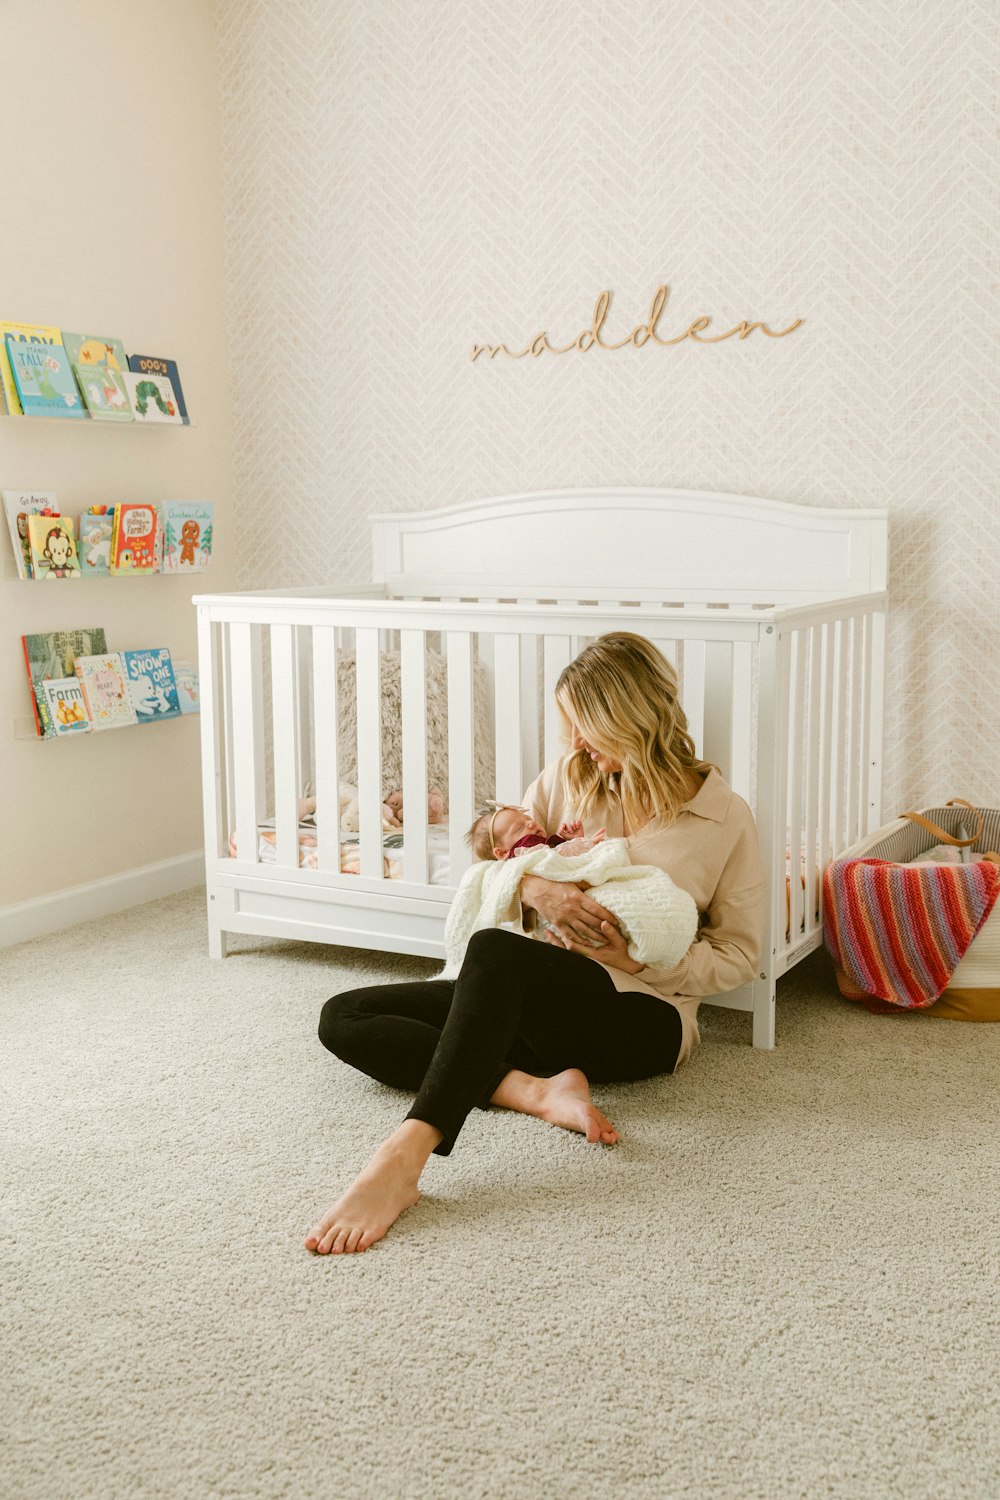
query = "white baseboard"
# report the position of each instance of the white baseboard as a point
(99, 898)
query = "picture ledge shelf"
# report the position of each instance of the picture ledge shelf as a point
(41, 416)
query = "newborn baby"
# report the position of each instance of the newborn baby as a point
(507, 832)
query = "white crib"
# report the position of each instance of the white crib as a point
(774, 615)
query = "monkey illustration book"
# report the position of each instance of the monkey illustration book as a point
(19, 505)
(46, 385)
(52, 541)
(153, 364)
(105, 690)
(53, 654)
(186, 527)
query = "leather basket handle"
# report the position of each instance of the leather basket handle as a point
(939, 833)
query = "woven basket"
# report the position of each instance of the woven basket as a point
(973, 993)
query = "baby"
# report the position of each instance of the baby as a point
(506, 832)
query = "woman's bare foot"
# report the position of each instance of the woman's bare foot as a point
(378, 1195)
(562, 1100)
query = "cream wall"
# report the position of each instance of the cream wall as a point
(111, 224)
(403, 179)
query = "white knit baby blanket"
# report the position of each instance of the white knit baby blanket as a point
(658, 918)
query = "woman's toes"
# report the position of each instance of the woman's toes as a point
(351, 1243)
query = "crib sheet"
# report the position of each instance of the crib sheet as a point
(350, 852)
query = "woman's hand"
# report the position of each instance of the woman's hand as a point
(574, 915)
(613, 952)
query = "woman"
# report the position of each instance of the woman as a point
(526, 1025)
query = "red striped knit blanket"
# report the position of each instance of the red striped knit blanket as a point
(898, 932)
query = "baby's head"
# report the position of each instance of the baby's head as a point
(494, 833)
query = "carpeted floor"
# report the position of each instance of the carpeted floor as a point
(782, 1282)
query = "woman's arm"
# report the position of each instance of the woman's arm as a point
(574, 915)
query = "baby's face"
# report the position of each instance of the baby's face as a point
(511, 824)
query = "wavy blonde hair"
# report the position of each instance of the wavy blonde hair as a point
(620, 693)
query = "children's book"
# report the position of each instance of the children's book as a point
(46, 385)
(188, 696)
(186, 526)
(18, 506)
(135, 541)
(152, 398)
(151, 684)
(105, 690)
(92, 349)
(104, 393)
(54, 654)
(67, 710)
(36, 333)
(151, 364)
(94, 541)
(53, 547)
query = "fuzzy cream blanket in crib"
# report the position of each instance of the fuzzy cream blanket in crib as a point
(658, 918)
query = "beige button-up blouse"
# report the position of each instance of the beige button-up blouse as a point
(711, 850)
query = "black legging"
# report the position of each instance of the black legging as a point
(515, 1004)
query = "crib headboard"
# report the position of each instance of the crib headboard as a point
(632, 544)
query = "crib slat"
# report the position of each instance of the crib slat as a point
(854, 744)
(718, 711)
(742, 716)
(812, 781)
(693, 692)
(876, 709)
(531, 718)
(325, 729)
(507, 698)
(247, 742)
(285, 723)
(413, 674)
(864, 753)
(460, 750)
(369, 751)
(796, 717)
(827, 758)
(555, 656)
(838, 736)
(226, 694)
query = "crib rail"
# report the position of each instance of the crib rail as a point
(785, 700)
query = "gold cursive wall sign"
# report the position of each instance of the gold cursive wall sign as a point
(642, 333)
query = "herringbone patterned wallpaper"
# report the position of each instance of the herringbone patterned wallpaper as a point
(404, 179)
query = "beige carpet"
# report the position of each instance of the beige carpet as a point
(782, 1283)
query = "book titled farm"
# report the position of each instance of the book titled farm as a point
(92, 349)
(18, 506)
(94, 541)
(35, 333)
(135, 541)
(152, 398)
(67, 709)
(53, 655)
(104, 393)
(151, 684)
(105, 691)
(152, 364)
(187, 535)
(188, 695)
(52, 540)
(46, 385)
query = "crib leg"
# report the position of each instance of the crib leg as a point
(216, 934)
(763, 1014)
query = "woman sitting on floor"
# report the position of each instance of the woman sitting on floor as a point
(526, 1025)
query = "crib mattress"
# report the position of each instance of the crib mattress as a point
(350, 851)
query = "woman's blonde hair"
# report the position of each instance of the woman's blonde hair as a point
(620, 693)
